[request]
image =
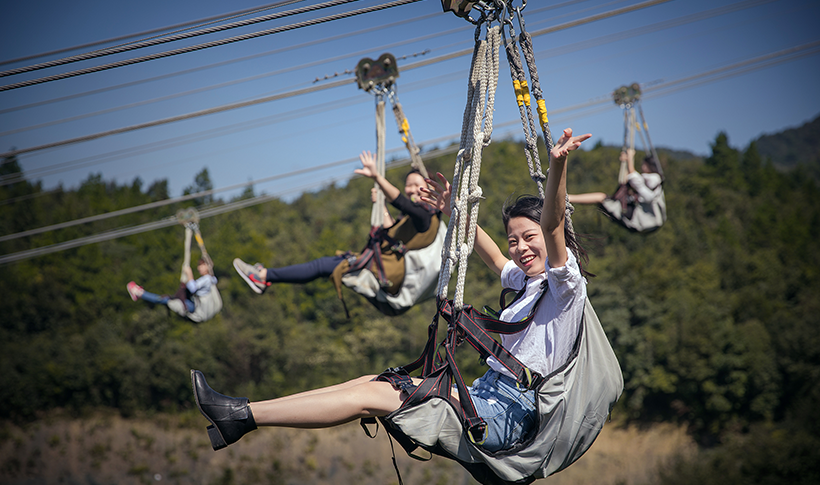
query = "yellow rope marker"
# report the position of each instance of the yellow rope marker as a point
(542, 112)
(526, 91)
(199, 239)
(518, 95)
(405, 127)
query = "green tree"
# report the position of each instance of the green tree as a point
(202, 183)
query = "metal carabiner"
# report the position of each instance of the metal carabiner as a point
(520, 17)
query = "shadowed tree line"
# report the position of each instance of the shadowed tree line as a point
(714, 317)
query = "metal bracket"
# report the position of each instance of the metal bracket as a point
(459, 7)
(383, 71)
(187, 216)
(627, 95)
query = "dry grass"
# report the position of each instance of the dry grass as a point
(175, 449)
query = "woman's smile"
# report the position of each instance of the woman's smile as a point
(526, 245)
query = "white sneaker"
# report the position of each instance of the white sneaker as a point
(251, 275)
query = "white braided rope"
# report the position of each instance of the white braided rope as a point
(448, 251)
(465, 192)
(377, 213)
(186, 255)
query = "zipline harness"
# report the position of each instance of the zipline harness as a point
(624, 206)
(573, 401)
(205, 306)
(398, 267)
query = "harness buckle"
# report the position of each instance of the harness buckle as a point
(478, 433)
(529, 383)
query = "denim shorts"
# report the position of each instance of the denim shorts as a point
(509, 413)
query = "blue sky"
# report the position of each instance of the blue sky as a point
(579, 66)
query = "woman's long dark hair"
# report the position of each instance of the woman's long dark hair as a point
(530, 206)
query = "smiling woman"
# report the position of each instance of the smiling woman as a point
(552, 288)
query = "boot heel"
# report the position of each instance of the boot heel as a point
(217, 443)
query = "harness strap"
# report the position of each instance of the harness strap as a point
(372, 255)
(440, 374)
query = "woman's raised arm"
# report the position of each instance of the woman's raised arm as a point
(391, 192)
(552, 216)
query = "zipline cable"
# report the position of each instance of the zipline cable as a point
(207, 45)
(266, 99)
(223, 19)
(669, 86)
(210, 133)
(162, 203)
(184, 26)
(173, 38)
(289, 48)
(564, 49)
(14, 178)
(170, 221)
(656, 91)
(211, 87)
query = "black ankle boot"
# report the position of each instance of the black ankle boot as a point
(230, 417)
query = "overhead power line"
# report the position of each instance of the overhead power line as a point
(172, 38)
(187, 25)
(330, 85)
(193, 48)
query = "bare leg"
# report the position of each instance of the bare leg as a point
(589, 198)
(327, 407)
(335, 387)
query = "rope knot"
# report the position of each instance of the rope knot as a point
(476, 195)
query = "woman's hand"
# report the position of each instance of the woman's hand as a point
(439, 197)
(566, 144)
(368, 165)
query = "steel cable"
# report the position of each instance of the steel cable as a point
(164, 40)
(207, 45)
(190, 25)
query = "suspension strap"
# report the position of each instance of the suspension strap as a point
(522, 95)
(649, 143)
(404, 130)
(629, 99)
(476, 133)
(186, 255)
(190, 219)
(378, 77)
(377, 213)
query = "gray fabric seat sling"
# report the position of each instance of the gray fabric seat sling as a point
(573, 402)
(638, 216)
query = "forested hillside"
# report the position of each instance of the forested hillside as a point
(795, 147)
(714, 317)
